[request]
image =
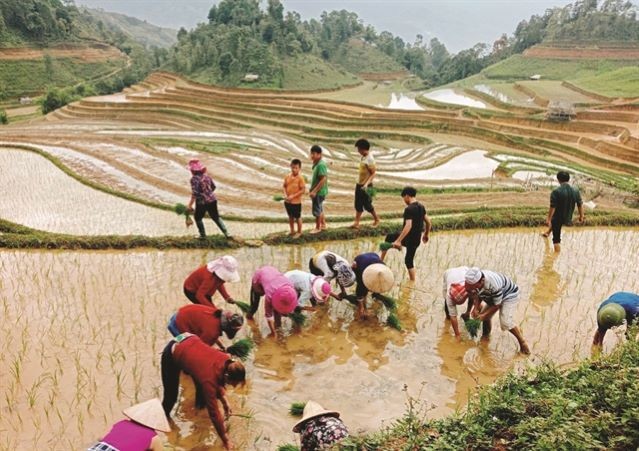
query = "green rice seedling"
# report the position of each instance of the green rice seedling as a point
(298, 318)
(472, 326)
(278, 198)
(297, 409)
(393, 321)
(351, 298)
(181, 209)
(288, 447)
(384, 246)
(243, 306)
(389, 302)
(241, 348)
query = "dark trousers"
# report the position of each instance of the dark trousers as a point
(411, 249)
(362, 200)
(171, 382)
(211, 209)
(556, 230)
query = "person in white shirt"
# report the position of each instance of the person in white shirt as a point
(311, 289)
(454, 292)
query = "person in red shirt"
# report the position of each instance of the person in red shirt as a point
(211, 370)
(208, 323)
(202, 283)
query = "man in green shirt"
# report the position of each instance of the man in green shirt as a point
(319, 188)
(562, 207)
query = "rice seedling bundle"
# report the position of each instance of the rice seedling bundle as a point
(472, 326)
(384, 246)
(298, 318)
(389, 302)
(287, 447)
(278, 198)
(243, 306)
(372, 192)
(181, 209)
(241, 348)
(297, 409)
(393, 321)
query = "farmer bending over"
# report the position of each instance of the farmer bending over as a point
(208, 323)
(279, 294)
(310, 289)
(331, 266)
(372, 275)
(501, 295)
(319, 428)
(202, 283)
(211, 370)
(455, 294)
(619, 307)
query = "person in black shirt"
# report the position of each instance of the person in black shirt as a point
(416, 229)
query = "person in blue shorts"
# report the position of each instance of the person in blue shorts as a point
(619, 307)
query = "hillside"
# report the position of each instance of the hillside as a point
(147, 34)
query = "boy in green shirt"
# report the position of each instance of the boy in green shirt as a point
(319, 188)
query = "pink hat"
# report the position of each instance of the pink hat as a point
(196, 166)
(284, 299)
(321, 289)
(225, 268)
(457, 293)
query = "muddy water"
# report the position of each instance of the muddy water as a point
(83, 332)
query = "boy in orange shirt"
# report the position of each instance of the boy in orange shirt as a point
(293, 190)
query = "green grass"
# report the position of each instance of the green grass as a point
(212, 147)
(297, 409)
(593, 406)
(30, 76)
(623, 82)
(357, 57)
(308, 72)
(518, 67)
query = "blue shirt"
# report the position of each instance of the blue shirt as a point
(629, 302)
(363, 261)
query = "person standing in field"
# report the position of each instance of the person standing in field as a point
(203, 195)
(501, 295)
(416, 229)
(363, 198)
(211, 370)
(201, 284)
(562, 207)
(620, 307)
(293, 190)
(319, 188)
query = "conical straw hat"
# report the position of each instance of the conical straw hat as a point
(150, 414)
(610, 315)
(312, 410)
(378, 278)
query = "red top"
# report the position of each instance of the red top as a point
(201, 320)
(207, 366)
(203, 283)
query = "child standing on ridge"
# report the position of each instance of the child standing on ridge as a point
(319, 188)
(363, 198)
(293, 190)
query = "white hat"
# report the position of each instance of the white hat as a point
(225, 268)
(321, 289)
(473, 276)
(313, 410)
(378, 278)
(150, 414)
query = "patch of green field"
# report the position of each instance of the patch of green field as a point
(553, 90)
(213, 147)
(307, 72)
(357, 57)
(623, 82)
(518, 67)
(32, 76)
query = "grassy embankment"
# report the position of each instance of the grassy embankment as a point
(593, 406)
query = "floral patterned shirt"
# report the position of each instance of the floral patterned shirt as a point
(202, 187)
(322, 432)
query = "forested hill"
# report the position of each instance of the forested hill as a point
(240, 38)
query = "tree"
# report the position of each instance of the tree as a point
(275, 10)
(4, 119)
(226, 60)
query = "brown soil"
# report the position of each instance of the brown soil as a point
(87, 54)
(582, 53)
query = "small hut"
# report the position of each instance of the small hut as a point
(560, 111)
(251, 78)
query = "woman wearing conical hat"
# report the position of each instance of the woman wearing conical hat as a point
(319, 428)
(138, 431)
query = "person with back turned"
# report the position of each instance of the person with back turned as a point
(562, 207)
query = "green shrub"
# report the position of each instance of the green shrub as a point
(4, 119)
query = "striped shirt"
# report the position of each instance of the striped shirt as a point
(498, 288)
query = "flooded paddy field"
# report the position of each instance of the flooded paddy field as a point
(84, 331)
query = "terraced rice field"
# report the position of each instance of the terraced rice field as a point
(138, 143)
(111, 309)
